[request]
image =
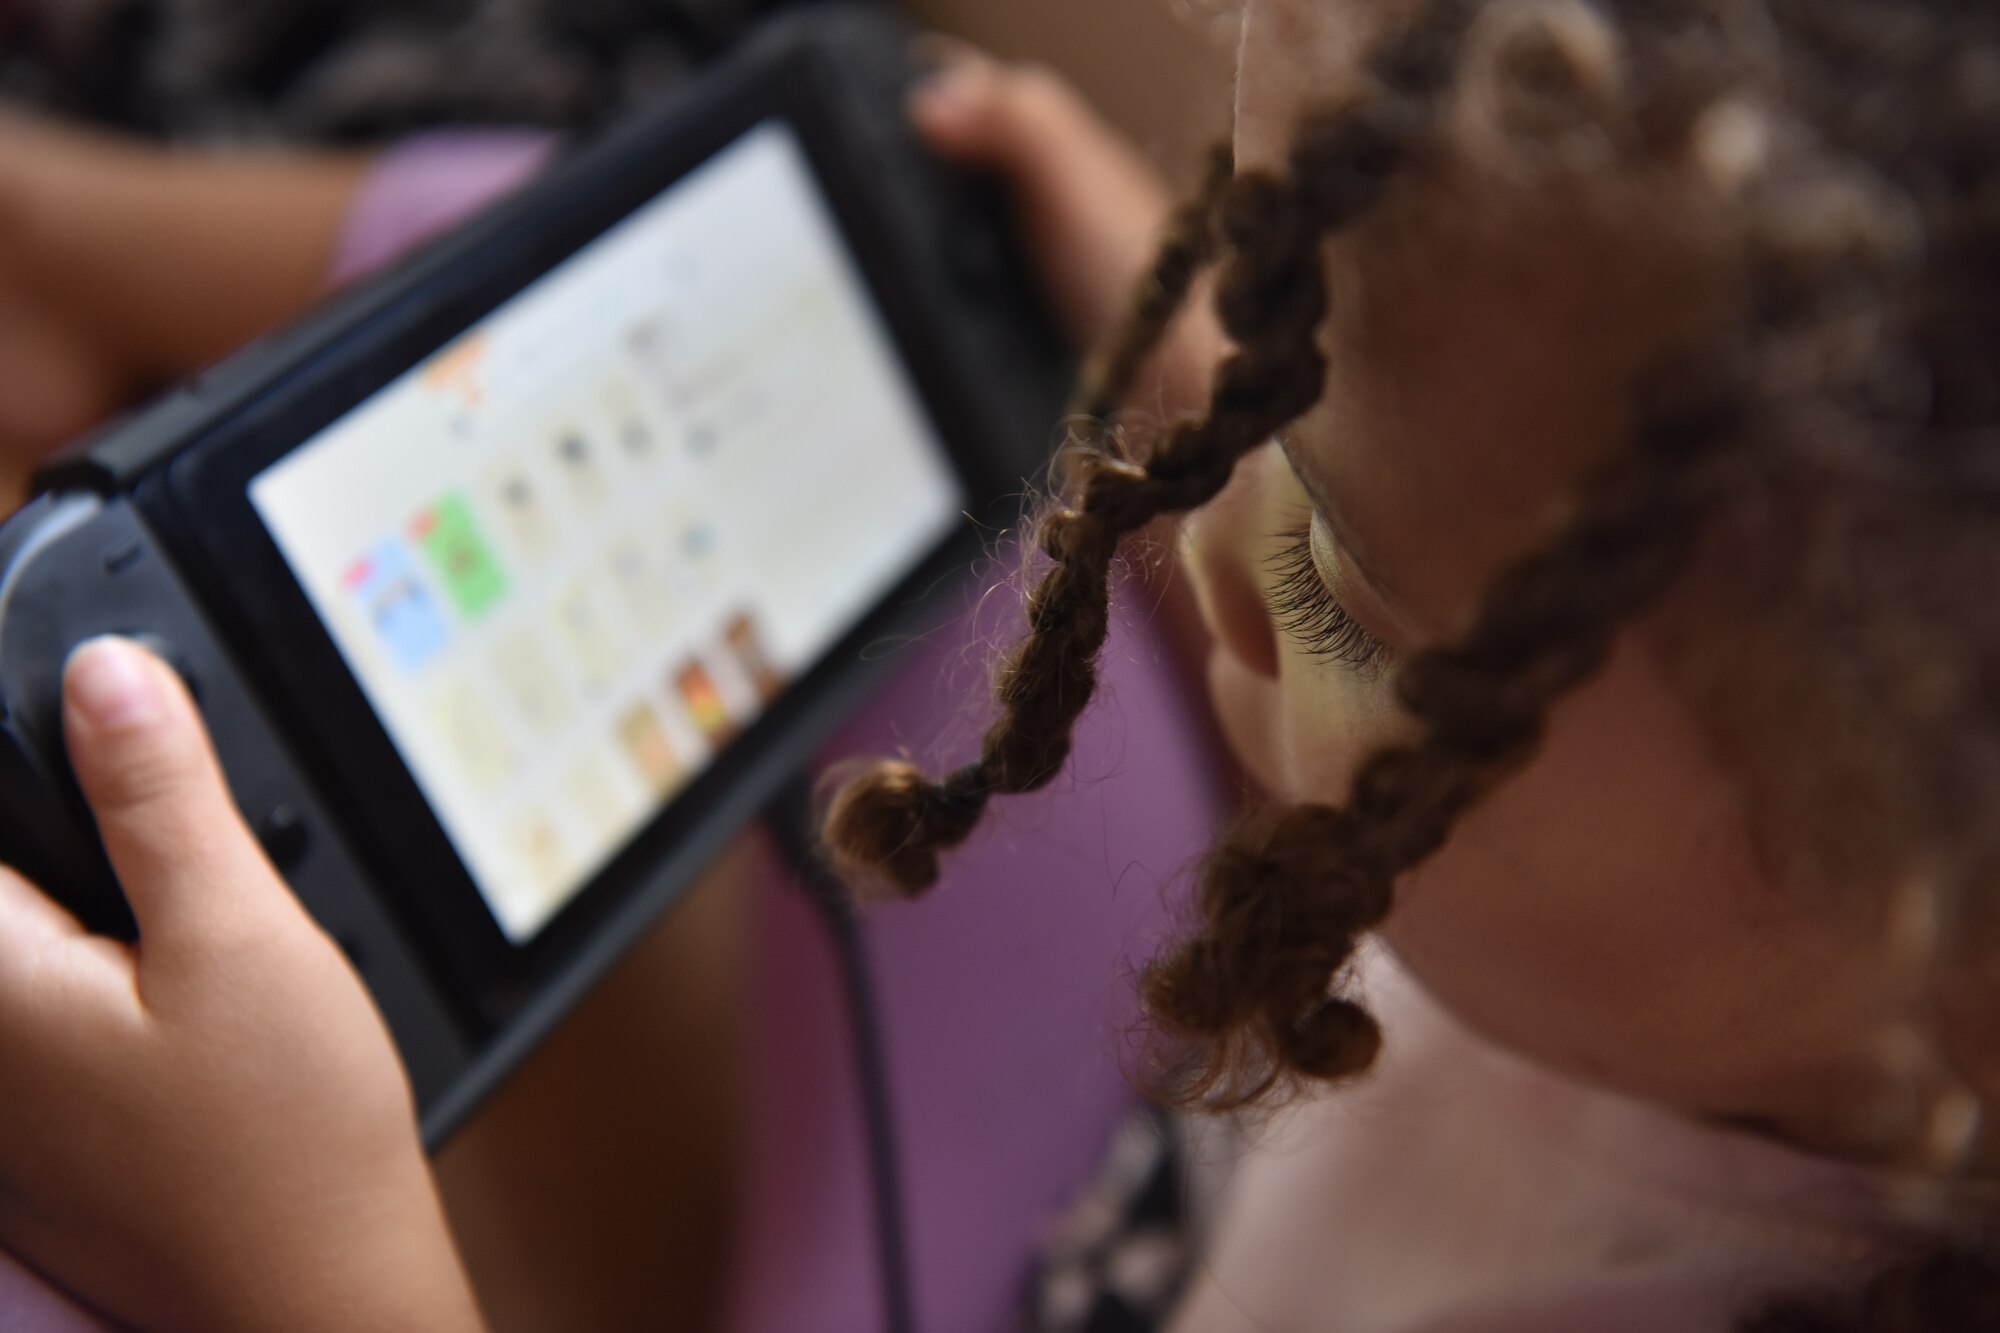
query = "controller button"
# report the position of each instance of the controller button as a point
(123, 556)
(285, 836)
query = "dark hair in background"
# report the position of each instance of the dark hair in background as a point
(1843, 438)
(339, 71)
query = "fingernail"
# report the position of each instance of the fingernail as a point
(941, 92)
(110, 682)
(949, 85)
(937, 51)
(946, 101)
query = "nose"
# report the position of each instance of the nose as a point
(1222, 545)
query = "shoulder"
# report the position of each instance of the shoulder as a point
(1462, 1190)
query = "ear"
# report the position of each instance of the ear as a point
(1542, 83)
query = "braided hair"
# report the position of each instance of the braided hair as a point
(888, 824)
(1841, 435)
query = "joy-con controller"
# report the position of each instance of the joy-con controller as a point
(117, 544)
(76, 565)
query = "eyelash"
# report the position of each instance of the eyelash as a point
(1303, 608)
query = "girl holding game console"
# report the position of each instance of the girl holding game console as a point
(1593, 515)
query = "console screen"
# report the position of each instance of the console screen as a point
(577, 549)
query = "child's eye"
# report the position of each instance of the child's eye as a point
(1303, 608)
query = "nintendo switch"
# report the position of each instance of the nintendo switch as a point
(513, 583)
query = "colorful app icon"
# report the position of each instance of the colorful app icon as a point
(588, 635)
(576, 460)
(703, 702)
(698, 540)
(659, 346)
(691, 557)
(538, 841)
(454, 372)
(746, 645)
(532, 684)
(524, 512)
(459, 555)
(637, 574)
(638, 441)
(386, 588)
(461, 716)
(646, 745)
(602, 804)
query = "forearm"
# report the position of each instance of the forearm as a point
(167, 260)
(402, 1271)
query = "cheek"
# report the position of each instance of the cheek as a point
(1298, 724)
(1603, 911)
(1246, 709)
(1303, 732)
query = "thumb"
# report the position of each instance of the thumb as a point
(144, 761)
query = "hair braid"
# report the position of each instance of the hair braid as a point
(1187, 248)
(1284, 900)
(1862, 135)
(891, 822)
(1250, 1001)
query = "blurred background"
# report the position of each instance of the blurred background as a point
(177, 176)
(361, 71)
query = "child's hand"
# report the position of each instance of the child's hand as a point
(209, 1130)
(1092, 208)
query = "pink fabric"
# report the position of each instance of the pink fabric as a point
(423, 185)
(1463, 1190)
(30, 1305)
(1004, 997)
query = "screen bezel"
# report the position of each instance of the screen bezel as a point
(291, 656)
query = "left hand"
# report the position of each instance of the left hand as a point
(207, 1130)
(1090, 206)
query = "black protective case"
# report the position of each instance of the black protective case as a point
(145, 530)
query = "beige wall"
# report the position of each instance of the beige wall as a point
(1152, 65)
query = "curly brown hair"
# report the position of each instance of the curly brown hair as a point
(1822, 474)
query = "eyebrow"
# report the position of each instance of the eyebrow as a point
(1355, 552)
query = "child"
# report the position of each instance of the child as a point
(1613, 606)
(1613, 599)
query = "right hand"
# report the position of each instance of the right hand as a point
(208, 1130)
(1091, 208)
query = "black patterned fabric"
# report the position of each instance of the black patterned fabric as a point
(351, 70)
(1118, 1257)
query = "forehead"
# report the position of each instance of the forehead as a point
(1486, 330)
(1295, 52)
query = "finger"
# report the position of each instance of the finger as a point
(1021, 118)
(29, 915)
(142, 756)
(1090, 204)
(53, 972)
